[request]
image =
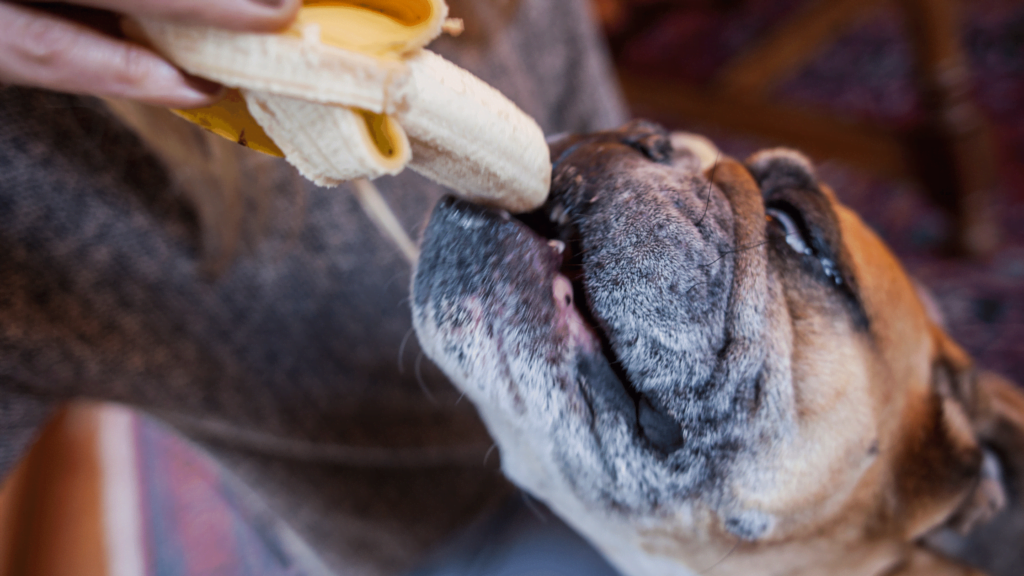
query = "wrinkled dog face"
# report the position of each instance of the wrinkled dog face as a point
(688, 361)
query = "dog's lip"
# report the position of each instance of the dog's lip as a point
(563, 280)
(552, 225)
(550, 253)
(501, 238)
(613, 390)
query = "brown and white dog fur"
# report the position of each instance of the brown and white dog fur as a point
(701, 363)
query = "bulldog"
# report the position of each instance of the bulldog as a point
(700, 363)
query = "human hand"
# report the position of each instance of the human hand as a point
(78, 46)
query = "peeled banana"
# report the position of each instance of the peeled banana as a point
(347, 91)
(294, 63)
(469, 137)
(331, 144)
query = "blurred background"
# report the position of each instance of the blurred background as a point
(913, 109)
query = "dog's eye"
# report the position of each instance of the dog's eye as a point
(798, 236)
(790, 221)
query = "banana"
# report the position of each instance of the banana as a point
(381, 27)
(370, 145)
(347, 91)
(469, 137)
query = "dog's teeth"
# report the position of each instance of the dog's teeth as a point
(557, 245)
(556, 212)
(558, 215)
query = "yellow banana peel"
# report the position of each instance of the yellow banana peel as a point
(230, 118)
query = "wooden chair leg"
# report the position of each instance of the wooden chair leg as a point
(70, 508)
(52, 522)
(953, 147)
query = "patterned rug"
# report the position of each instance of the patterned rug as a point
(196, 520)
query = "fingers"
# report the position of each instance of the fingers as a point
(40, 49)
(250, 15)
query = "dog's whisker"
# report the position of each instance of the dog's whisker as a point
(421, 381)
(403, 275)
(401, 350)
(490, 450)
(707, 202)
(694, 286)
(720, 560)
(528, 500)
(736, 251)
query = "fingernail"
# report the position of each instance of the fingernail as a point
(269, 14)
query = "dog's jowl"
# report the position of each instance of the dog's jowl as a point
(699, 362)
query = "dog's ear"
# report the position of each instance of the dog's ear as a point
(954, 376)
(975, 404)
(999, 422)
(993, 536)
(995, 408)
(1000, 411)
